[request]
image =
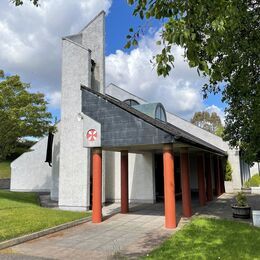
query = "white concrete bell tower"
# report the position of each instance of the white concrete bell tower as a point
(83, 62)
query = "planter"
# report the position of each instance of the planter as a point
(229, 187)
(256, 218)
(255, 190)
(241, 212)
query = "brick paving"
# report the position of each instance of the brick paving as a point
(120, 235)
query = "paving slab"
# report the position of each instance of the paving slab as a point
(94, 241)
(120, 235)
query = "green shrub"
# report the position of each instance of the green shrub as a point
(241, 199)
(254, 181)
(228, 172)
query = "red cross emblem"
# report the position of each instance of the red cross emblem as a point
(92, 135)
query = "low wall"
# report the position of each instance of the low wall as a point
(4, 184)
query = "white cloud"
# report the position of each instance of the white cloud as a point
(180, 92)
(54, 99)
(217, 110)
(30, 41)
(30, 45)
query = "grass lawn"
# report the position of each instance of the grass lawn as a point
(211, 239)
(5, 170)
(20, 214)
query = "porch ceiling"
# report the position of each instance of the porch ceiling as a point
(140, 149)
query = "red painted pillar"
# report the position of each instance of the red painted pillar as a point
(208, 178)
(185, 184)
(97, 185)
(124, 182)
(201, 179)
(169, 188)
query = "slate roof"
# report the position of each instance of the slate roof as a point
(179, 134)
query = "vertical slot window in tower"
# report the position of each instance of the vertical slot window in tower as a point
(93, 65)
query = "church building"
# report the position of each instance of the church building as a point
(112, 146)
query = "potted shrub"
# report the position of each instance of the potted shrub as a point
(228, 178)
(241, 209)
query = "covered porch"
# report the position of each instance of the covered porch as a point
(173, 195)
(126, 130)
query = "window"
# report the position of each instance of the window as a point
(160, 113)
(131, 102)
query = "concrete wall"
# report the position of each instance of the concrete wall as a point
(254, 169)
(234, 159)
(93, 37)
(112, 183)
(74, 165)
(74, 173)
(30, 172)
(141, 177)
(55, 165)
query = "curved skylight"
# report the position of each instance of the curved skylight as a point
(160, 113)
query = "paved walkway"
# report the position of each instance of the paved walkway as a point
(128, 235)
(132, 233)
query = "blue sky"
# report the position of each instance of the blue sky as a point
(118, 22)
(31, 47)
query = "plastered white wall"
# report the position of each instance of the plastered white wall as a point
(74, 164)
(30, 172)
(254, 169)
(74, 180)
(140, 178)
(93, 38)
(113, 178)
(55, 164)
(233, 157)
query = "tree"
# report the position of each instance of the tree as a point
(210, 122)
(228, 171)
(220, 131)
(220, 39)
(22, 114)
(20, 2)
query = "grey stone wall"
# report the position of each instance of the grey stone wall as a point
(4, 184)
(119, 127)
